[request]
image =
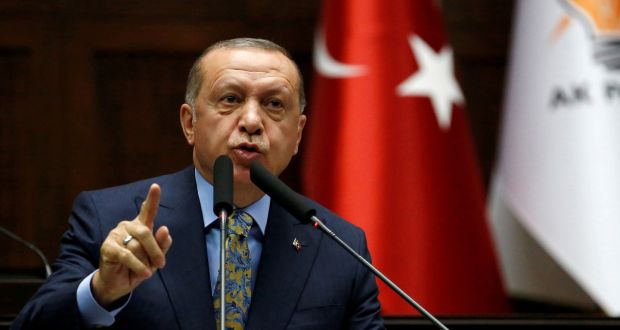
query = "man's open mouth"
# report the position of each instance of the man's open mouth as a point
(249, 148)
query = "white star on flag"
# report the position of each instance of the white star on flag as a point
(435, 79)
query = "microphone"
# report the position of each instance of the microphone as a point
(280, 192)
(222, 207)
(222, 185)
(296, 206)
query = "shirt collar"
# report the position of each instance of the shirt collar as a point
(259, 210)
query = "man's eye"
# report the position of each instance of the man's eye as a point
(275, 104)
(230, 99)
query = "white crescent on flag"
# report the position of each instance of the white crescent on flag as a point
(327, 66)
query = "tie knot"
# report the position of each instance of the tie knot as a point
(240, 223)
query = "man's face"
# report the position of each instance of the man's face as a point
(247, 108)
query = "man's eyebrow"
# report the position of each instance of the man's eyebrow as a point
(224, 82)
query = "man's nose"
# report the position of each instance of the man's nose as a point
(251, 121)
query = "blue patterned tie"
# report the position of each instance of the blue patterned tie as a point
(238, 273)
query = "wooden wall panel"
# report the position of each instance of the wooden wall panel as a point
(138, 96)
(15, 77)
(479, 31)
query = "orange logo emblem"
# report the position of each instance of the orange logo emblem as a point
(601, 18)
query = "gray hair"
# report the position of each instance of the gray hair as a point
(194, 80)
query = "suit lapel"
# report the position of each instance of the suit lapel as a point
(186, 274)
(282, 271)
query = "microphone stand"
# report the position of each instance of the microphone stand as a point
(48, 269)
(294, 204)
(319, 224)
(223, 216)
(222, 206)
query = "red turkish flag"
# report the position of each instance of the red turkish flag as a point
(388, 147)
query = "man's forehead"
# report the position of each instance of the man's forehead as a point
(248, 59)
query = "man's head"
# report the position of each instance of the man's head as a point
(245, 100)
(194, 80)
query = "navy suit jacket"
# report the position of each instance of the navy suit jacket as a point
(320, 286)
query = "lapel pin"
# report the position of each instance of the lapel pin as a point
(297, 244)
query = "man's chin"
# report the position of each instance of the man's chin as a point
(242, 176)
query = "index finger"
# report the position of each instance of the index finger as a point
(148, 210)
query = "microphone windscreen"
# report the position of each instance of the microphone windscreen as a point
(280, 192)
(222, 185)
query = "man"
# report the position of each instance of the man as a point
(244, 99)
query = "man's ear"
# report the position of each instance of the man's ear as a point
(186, 115)
(300, 128)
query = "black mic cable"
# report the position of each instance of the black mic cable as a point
(294, 204)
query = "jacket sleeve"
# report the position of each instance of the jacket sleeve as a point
(54, 305)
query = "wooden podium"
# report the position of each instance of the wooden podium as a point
(15, 290)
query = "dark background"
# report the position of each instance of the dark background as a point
(90, 92)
